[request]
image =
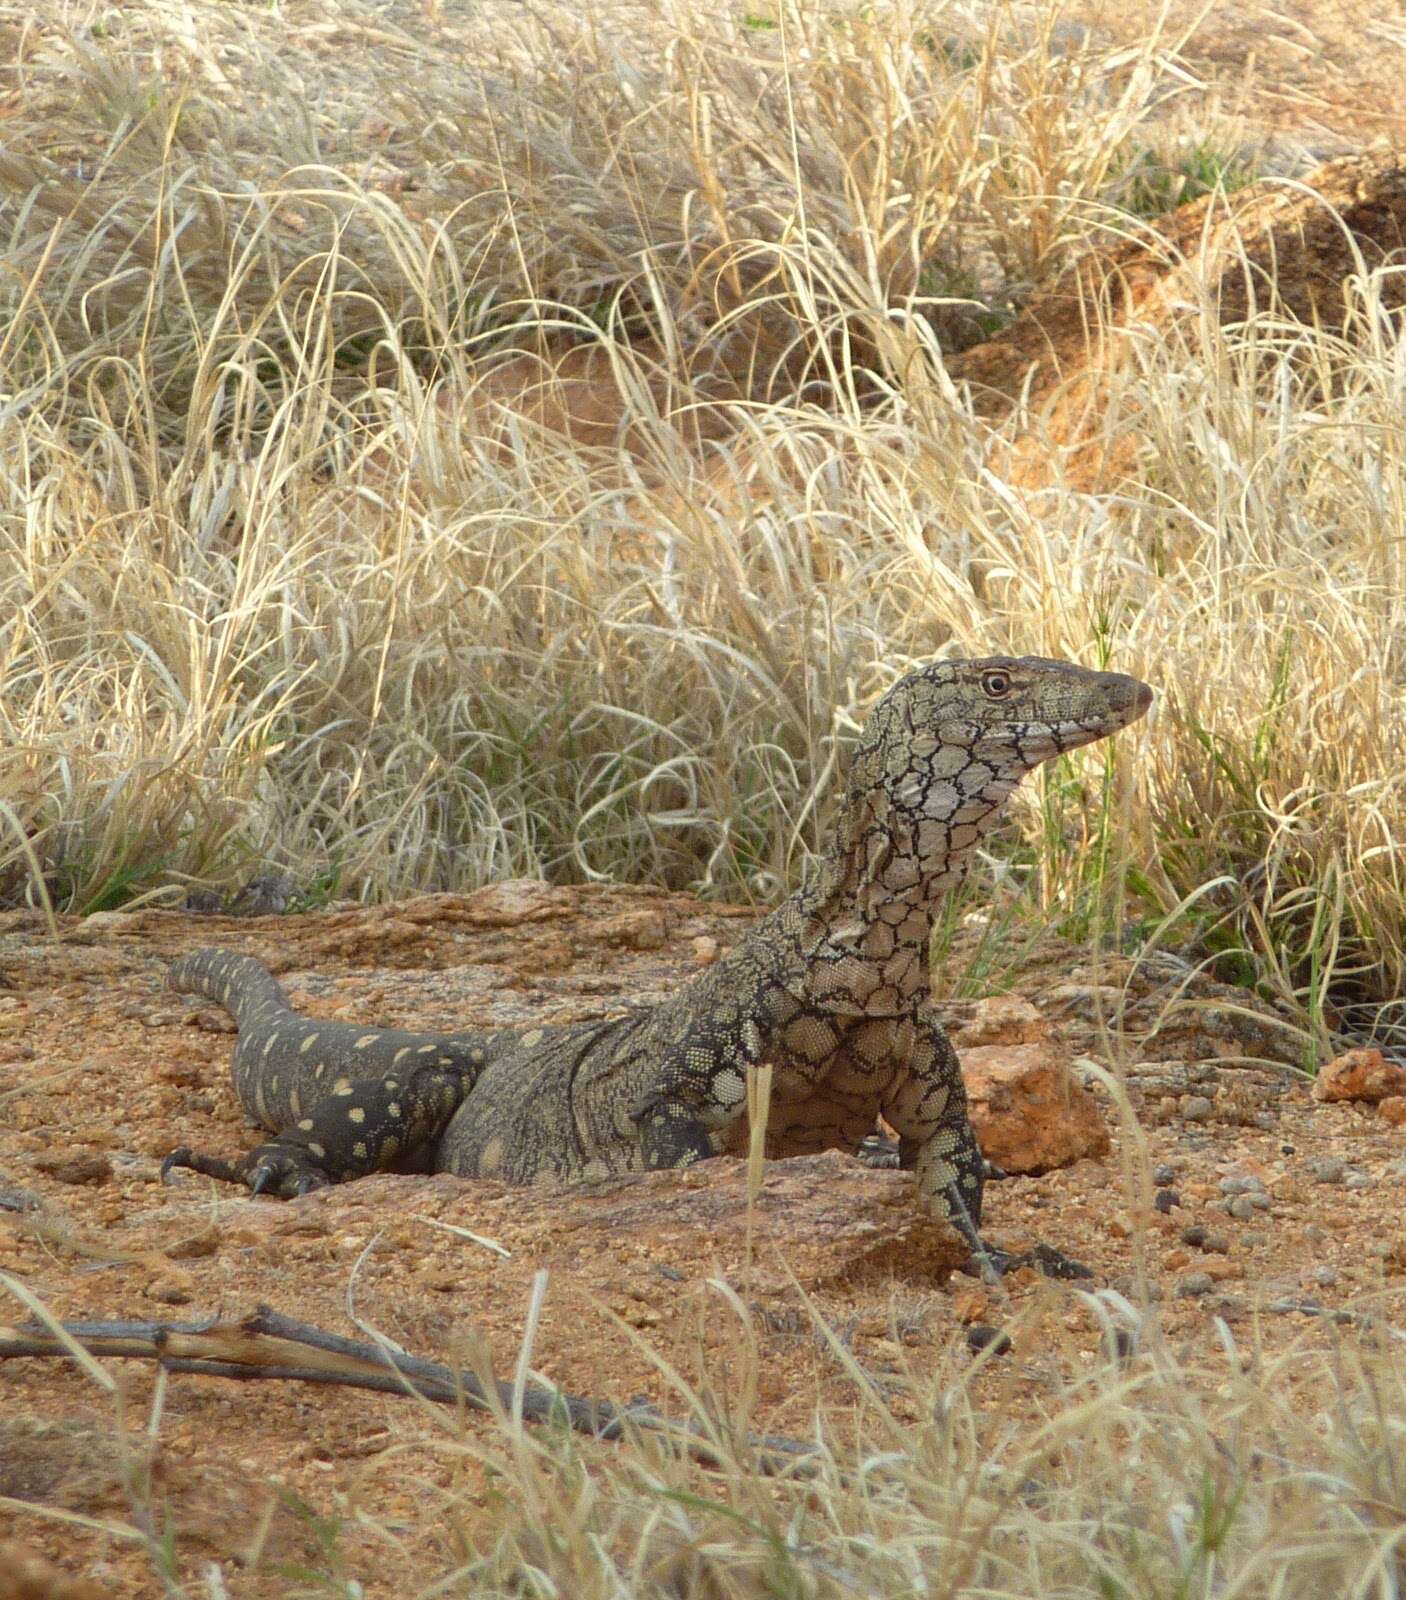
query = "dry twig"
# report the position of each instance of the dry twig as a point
(267, 1344)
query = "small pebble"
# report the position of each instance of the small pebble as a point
(1120, 1344)
(1194, 1283)
(1126, 1284)
(1201, 1238)
(174, 1289)
(1241, 1207)
(1309, 1304)
(1324, 1277)
(1327, 1169)
(85, 1168)
(981, 1336)
(1166, 1174)
(1196, 1108)
(162, 1019)
(1360, 1180)
(1165, 1199)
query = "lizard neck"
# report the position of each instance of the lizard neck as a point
(879, 889)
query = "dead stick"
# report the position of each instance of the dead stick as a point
(268, 1344)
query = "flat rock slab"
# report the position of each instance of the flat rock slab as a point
(832, 1218)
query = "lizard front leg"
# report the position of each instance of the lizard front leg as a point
(696, 1094)
(925, 1102)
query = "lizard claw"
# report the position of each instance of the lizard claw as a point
(283, 1170)
(271, 1169)
(178, 1158)
(990, 1264)
(877, 1150)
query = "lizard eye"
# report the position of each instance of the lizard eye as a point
(996, 684)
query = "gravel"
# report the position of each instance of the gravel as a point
(1240, 1185)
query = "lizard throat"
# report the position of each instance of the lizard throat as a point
(892, 867)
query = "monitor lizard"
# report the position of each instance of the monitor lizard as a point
(831, 988)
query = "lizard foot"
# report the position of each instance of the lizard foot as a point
(990, 1264)
(877, 1150)
(1054, 1263)
(268, 1169)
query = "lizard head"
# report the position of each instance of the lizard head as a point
(964, 725)
(939, 755)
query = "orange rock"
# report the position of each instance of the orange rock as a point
(1222, 1270)
(1360, 1075)
(1029, 1110)
(972, 1305)
(1393, 1109)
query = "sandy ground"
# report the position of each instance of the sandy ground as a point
(102, 1072)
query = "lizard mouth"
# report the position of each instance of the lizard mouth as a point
(1125, 699)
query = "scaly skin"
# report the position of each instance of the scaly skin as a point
(831, 989)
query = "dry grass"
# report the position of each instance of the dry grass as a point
(1136, 1480)
(293, 573)
(1133, 1475)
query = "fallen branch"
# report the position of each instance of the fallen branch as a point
(267, 1344)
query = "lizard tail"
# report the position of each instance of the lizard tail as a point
(244, 987)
